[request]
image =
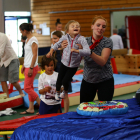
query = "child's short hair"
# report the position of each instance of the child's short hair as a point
(68, 24)
(46, 61)
(58, 34)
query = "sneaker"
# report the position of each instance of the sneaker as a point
(62, 95)
(57, 96)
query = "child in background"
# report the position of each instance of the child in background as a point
(71, 57)
(47, 87)
(58, 53)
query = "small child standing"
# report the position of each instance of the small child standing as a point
(47, 87)
(71, 57)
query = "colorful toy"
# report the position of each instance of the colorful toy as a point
(102, 108)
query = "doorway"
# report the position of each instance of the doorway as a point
(12, 31)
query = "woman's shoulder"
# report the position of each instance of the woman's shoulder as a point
(107, 40)
(33, 39)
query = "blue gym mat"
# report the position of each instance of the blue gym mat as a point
(118, 78)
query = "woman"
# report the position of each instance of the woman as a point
(98, 75)
(58, 26)
(30, 66)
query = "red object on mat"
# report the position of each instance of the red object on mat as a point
(10, 88)
(79, 71)
(114, 65)
(62, 103)
(13, 124)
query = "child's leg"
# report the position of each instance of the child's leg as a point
(62, 73)
(49, 109)
(68, 77)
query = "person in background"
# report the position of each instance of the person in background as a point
(9, 65)
(71, 58)
(58, 53)
(47, 87)
(30, 66)
(58, 25)
(117, 40)
(23, 39)
(98, 75)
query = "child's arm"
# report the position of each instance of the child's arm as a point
(44, 90)
(50, 53)
(56, 46)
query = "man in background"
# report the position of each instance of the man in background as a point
(117, 40)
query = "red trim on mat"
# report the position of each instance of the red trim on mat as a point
(13, 124)
(12, 103)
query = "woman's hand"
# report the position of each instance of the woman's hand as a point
(80, 46)
(74, 50)
(30, 72)
(22, 69)
(64, 44)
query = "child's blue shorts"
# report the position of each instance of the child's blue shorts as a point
(49, 109)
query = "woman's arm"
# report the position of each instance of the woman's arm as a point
(22, 69)
(34, 50)
(101, 60)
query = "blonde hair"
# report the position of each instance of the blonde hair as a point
(68, 24)
(98, 17)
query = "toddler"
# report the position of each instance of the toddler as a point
(71, 57)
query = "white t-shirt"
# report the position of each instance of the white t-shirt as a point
(48, 80)
(54, 31)
(117, 42)
(28, 52)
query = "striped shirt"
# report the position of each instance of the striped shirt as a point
(94, 73)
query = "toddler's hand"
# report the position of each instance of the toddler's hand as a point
(47, 89)
(64, 44)
(74, 50)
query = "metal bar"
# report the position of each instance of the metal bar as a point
(85, 10)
